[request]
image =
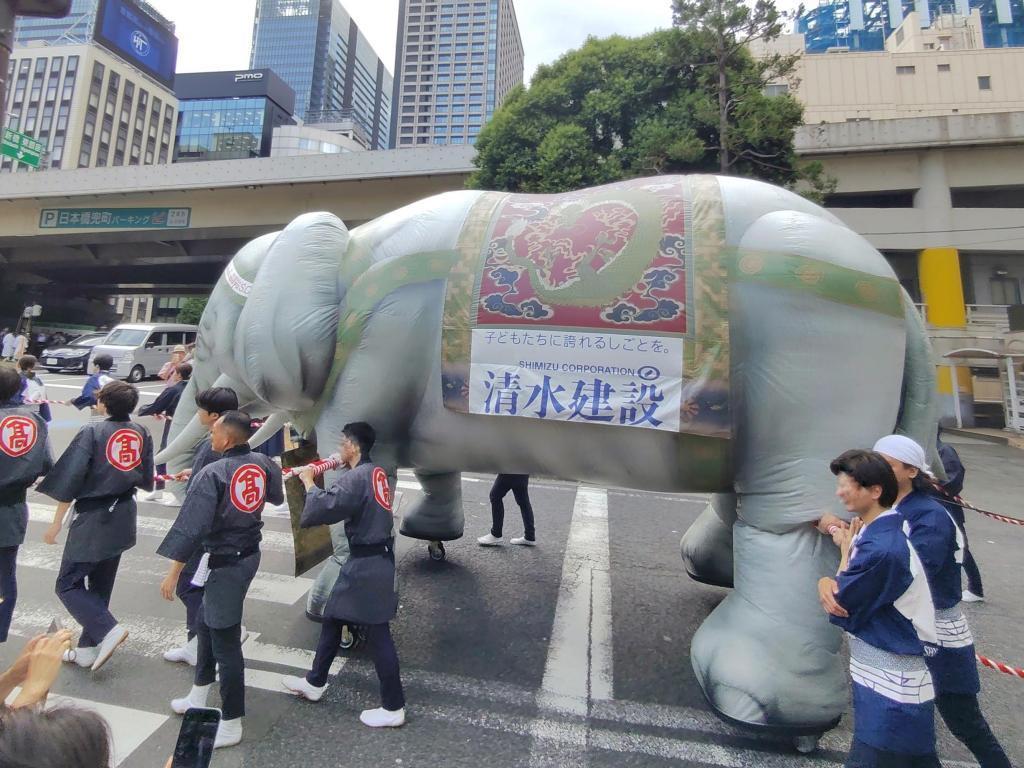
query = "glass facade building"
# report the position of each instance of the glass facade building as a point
(864, 25)
(455, 62)
(230, 115)
(317, 48)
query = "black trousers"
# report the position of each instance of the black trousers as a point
(192, 597)
(221, 649)
(161, 469)
(8, 588)
(385, 660)
(518, 485)
(85, 590)
(963, 717)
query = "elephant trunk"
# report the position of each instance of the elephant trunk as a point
(288, 326)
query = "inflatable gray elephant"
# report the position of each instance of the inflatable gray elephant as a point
(673, 334)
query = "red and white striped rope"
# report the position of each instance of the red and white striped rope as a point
(998, 665)
(319, 467)
(967, 505)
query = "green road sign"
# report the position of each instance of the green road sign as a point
(22, 148)
(114, 218)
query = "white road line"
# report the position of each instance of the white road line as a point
(275, 541)
(142, 392)
(578, 669)
(579, 662)
(129, 727)
(142, 569)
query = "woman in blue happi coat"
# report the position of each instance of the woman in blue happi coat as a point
(940, 544)
(880, 597)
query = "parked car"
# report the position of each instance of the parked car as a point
(72, 357)
(140, 349)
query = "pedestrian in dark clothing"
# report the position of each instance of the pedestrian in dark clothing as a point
(518, 484)
(165, 405)
(364, 592)
(222, 516)
(953, 487)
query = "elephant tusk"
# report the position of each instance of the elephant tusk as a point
(269, 429)
(185, 442)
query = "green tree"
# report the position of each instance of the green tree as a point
(191, 310)
(623, 107)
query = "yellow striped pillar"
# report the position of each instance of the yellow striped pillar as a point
(942, 290)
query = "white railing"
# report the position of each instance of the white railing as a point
(991, 316)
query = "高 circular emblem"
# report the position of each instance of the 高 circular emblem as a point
(124, 449)
(18, 435)
(248, 488)
(381, 490)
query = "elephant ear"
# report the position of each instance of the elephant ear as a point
(284, 346)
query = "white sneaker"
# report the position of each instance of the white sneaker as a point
(83, 657)
(184, 655)
(382, 718)
(108, 645)
(970, 597)
(153, 496)
(229, 733)
(522, 541)
(195, 698)
(302, 687)
(489, 540)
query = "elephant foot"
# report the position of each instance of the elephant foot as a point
(761, 673)
(706, 547)
(438, 515)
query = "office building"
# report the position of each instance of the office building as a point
(939, 70)
(230, 115)
(455, 62)
(317, 48)
(864, 25)
(88, 107)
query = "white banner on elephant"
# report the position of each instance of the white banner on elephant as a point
(602, 378)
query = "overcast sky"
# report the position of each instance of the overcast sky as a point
(217, 34)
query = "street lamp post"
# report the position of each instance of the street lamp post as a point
(9, 9)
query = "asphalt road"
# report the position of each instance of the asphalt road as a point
(575, 653)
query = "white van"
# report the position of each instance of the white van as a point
(140, 349)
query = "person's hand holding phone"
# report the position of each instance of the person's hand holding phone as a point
(44, 663)
(196, 738)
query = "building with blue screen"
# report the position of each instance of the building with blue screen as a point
(864, 25)
(320, 52)
(230, 115)
(76, 27)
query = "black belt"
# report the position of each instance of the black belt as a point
(12, 494)
(103, 504)
(220, 559)
(371, 550)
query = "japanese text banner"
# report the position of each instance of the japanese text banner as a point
(562, 376)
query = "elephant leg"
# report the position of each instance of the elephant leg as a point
(706, 547)
(438, 515)
(767, 656)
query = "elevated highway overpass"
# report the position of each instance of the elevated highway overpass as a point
(177, 225)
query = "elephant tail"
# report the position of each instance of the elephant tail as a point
(918, 416)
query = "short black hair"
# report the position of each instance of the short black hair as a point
(217, 400)
(868, 468)
(10, 382)
(362, 434)
(27, 362)
(119, 398)
(103, 362)
(239, 423)
(184, 371)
